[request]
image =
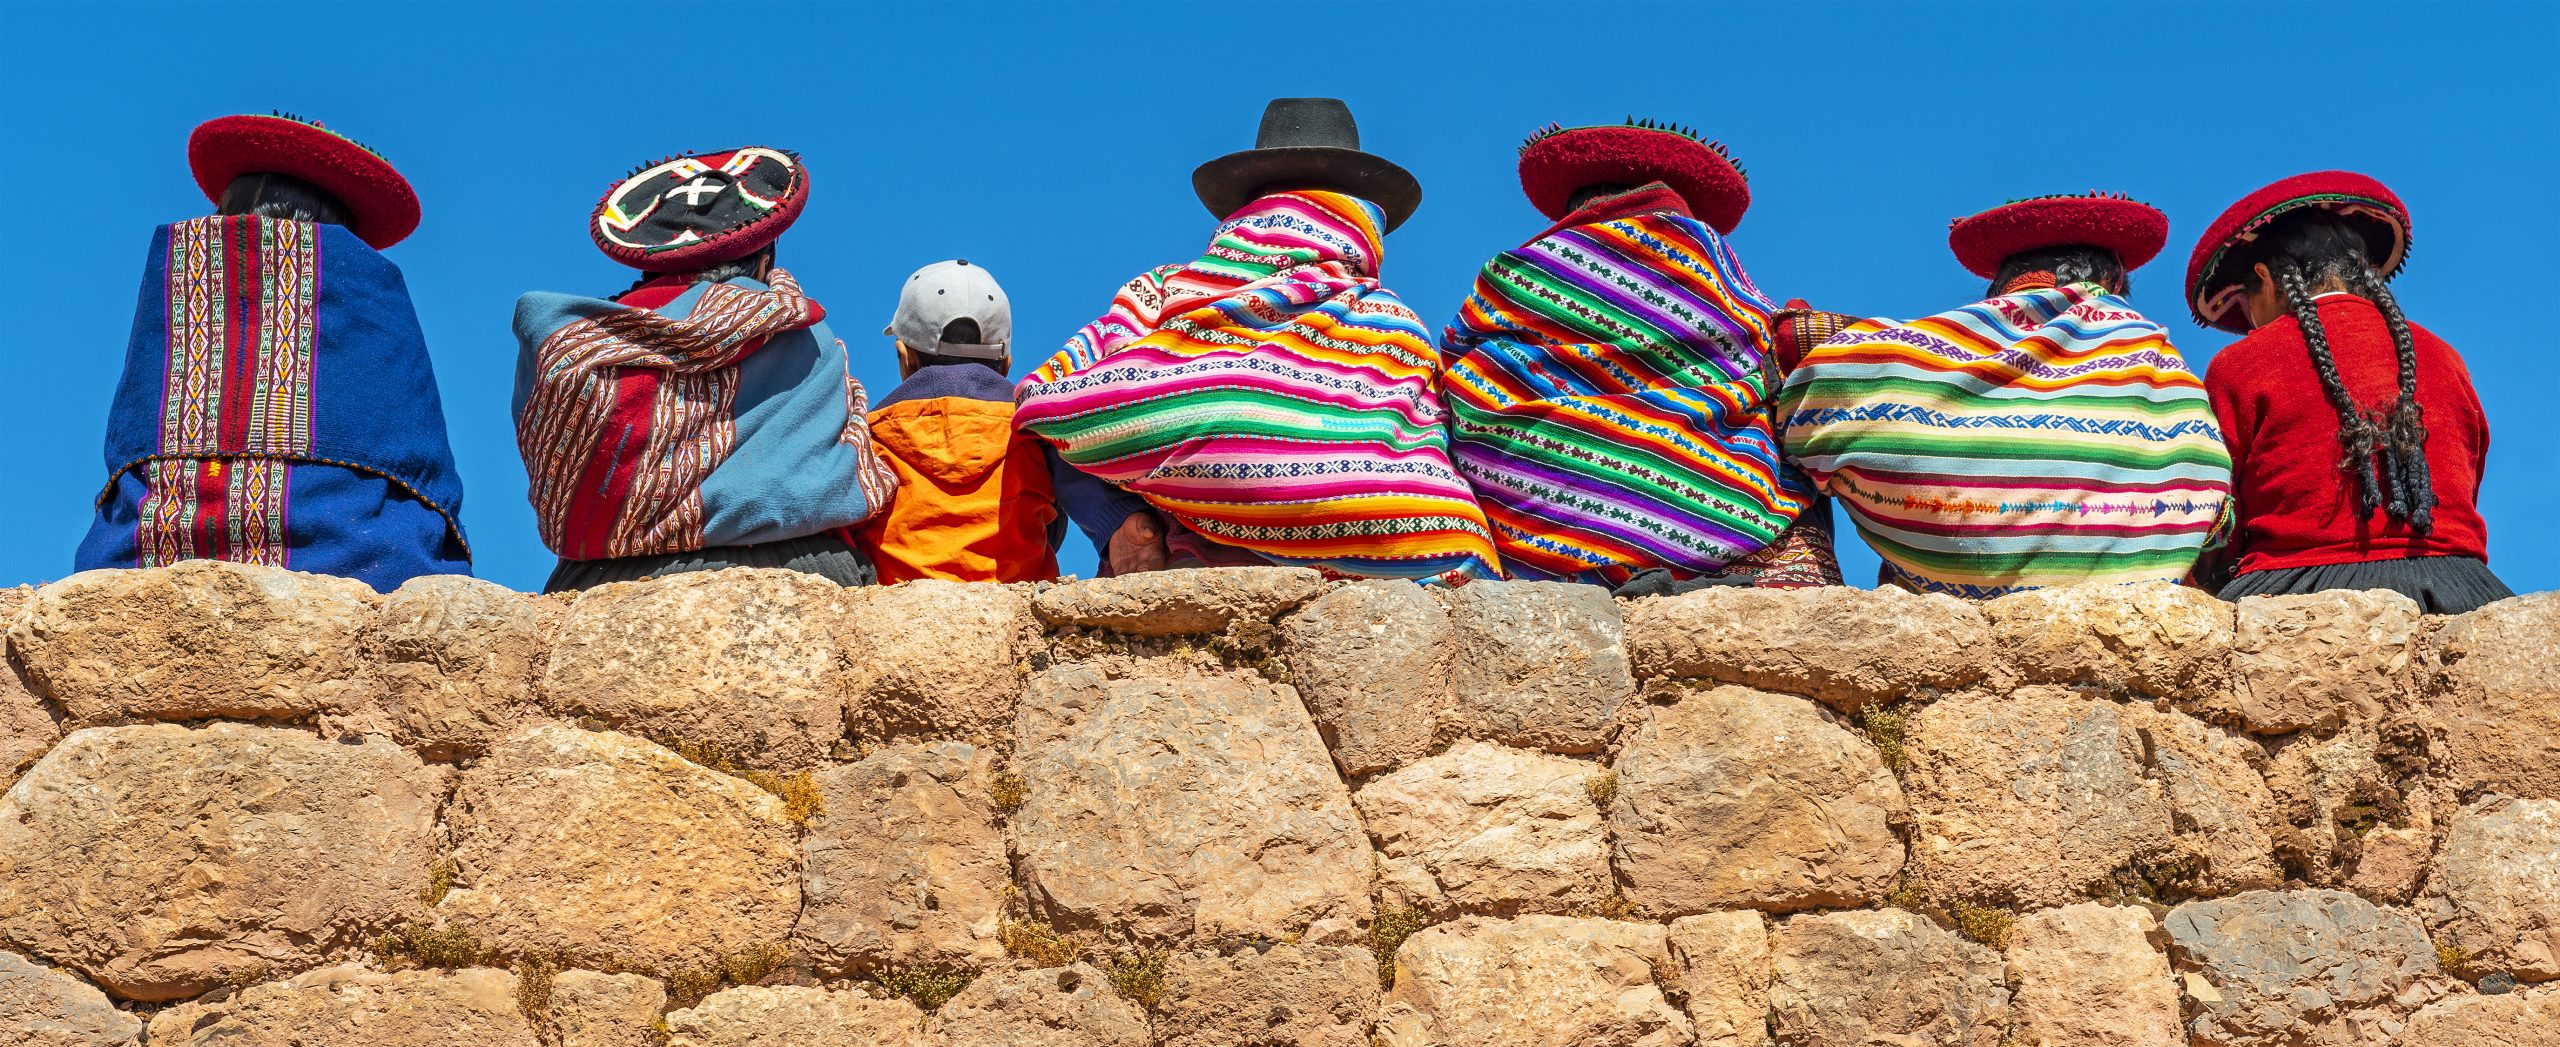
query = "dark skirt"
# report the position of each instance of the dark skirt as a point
(824, 555)
(2440, 584)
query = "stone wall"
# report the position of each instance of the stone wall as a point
(1248, 807)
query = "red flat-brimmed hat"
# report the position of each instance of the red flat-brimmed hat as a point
(382, 210)
(687, 213)
(2135, 231)
(2214, 295)
(1559, 160)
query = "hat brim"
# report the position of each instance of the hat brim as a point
(382, 210)
(2134, 231)
(2213, 294)
(1552, 168)
(1225, 185)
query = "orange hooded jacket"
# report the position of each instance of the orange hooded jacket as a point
(974, 502)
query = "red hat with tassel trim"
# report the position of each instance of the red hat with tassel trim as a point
(1557, 161)
(2135, 231)
(382, 209)
(2213, 289)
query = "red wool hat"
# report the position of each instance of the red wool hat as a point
(382, 209)
(2134, 231)
(2214, 295)
(1559, 160)
(688, 213)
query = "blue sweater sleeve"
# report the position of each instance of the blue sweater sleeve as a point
(1095, 505)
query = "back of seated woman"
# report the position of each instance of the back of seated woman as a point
(2357, 443)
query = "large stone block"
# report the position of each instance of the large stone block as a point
(1535, 981)
(2498, 697)
(350, 1006)
(1287, 996)
(2087, 975)
(2286, 968)
(1883, 976)
(936, 659)
(743, 659)
(792, 1015)
(2032, 799)
(457, 661)
(45, 1007)
(2494, 892)
(1487, 829)
(1735, 798)
(2327, 792)
(28, 727)
(1373, 661)
(907, 865)
(597, 844)
(605, 1010)
(2513, 1020)
(1720, 964)
(201, 639)
(2316, 661)
(1540, 665)
(2144, 641)
(1182, 810)
(2220, 811)
(159, 860)
(1839, 646)
(1179, 602)
(1050, 1007)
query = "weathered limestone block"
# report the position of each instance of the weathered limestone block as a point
(1289, 996)
(1720, 965)
(1179, 810)
(349, 1006)
(156, 859)
(2495, 889)
(1540, 665)
(601, 845)
(907, 865)
(1735, 798)
(791, 1016)
(605, 1010)
(2498, 698)
(1487, 829)
(1839, 646)
(2315, 661)
(2513, 1020)
(457, 661)
(2327, 791)
(2146, 641)
(1373, 660)
(2028, 800)
(2280, 968)
(27, 726)
(2087, 975)
(743, 659)
(2390, 863)
(1179, 602)
(936, 659)
(1535, 981)
(45, 1007)
(201, 639)
(2219, 809)
(1051, 1007)
(1883, 976)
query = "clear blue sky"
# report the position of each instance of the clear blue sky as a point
(1054, 145)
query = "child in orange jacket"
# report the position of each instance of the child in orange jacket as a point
(974, 501)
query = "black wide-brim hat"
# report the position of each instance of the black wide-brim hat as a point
(1307, 143)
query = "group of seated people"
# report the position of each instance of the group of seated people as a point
(1614, 403)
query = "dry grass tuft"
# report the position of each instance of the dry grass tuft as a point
(1139, 977)
(1908, 895)
(534, 975)
(1387, 932)
(1618, 907)
(928, 986)
(442, 948)
(2456, 961)
(1603, 788)
(1009, 791)
(439, 881)
(1884, 727)
(246, 975)
(687, 986)
(1982, 923)
(798, 791)
(1036, 942)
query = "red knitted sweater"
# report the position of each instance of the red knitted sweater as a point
(2296, 508)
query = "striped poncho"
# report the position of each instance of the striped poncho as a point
(1271, 396)
(2044, 437)
(1609, 393)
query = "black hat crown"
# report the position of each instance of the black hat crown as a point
(1307, 121)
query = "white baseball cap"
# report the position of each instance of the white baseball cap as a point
(944, 292)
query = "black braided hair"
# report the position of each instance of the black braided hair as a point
(2386, 450)
(2069, 264)
(281, 196)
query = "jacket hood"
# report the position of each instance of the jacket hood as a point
(952, 439)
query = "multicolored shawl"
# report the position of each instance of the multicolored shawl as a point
(277, 407)
(2040, 438)
(724, 415)
(1271, 396)
(1609, 390)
